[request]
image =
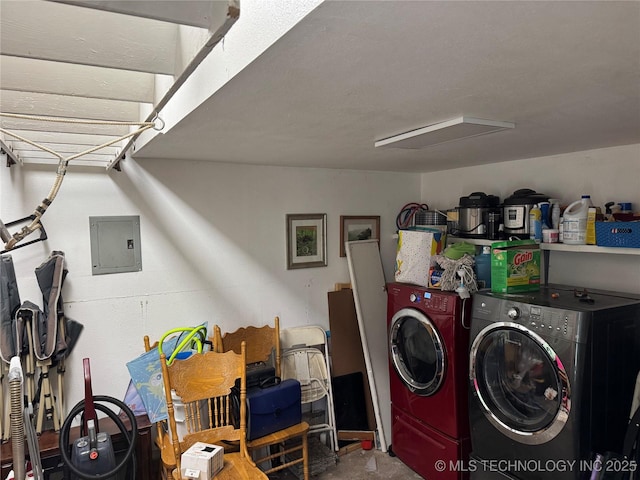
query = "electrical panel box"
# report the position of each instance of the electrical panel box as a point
(115, 244)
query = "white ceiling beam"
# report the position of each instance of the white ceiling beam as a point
(65, 138)
(190, 42)
(196, 13)
(27, 149)
(37, 127)
(66, 106)
(64, 33)
(79, 162)
(62, 148)
(42, 76)
(41, 154)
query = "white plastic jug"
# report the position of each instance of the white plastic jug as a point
(575, 222)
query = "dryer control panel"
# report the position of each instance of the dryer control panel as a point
(430, 300)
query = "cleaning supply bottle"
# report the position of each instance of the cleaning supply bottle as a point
(483, 267)
(555, 213)
(587, 198)
(608, 212)
(535, 223)
(575, 221)
(625, 207)
(545, 208)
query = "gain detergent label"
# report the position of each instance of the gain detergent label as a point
(515, 266)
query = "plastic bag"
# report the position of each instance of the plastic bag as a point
(146, 370)
(415, 255)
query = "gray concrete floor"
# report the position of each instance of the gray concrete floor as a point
(369, 465)
(360, 465)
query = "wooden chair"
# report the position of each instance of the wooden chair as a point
(261, 344)
(163, 439)
(204, 383)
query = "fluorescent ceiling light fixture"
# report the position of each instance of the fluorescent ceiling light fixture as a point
(449, 131)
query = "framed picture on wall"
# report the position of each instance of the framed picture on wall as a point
(306, 240)
(354, 228)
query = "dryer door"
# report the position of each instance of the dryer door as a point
(416, 351)
(520, 383)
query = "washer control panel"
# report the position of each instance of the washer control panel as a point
(548, 321)
(552, 321)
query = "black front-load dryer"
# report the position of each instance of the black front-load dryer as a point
(551, 376)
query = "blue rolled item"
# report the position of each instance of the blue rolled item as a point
(483, 268)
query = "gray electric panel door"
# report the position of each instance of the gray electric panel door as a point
(115, 244)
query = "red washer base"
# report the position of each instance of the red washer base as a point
(424, 449)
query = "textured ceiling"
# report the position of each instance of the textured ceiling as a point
(350, 73)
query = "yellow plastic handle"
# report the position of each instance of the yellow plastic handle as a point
(193, 331)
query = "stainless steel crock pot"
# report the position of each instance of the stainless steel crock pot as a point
(516, 208)
(472, 214)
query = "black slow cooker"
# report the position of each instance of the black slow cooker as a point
(516, 208)
(473, 212)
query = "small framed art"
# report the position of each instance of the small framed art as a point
(306, 240)
(358, 228)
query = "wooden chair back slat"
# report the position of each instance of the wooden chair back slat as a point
(261, 342)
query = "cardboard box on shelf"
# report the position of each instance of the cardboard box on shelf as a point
(515, 266)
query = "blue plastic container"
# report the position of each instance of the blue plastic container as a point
(483, 268)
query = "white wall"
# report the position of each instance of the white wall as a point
(608, 174)
(213, 249)
(213, 240)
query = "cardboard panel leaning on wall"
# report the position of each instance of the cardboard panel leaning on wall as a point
(346, 346)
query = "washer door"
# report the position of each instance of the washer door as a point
(520, 383)
(417, 351)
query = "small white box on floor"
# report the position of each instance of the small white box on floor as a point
(202, 461)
